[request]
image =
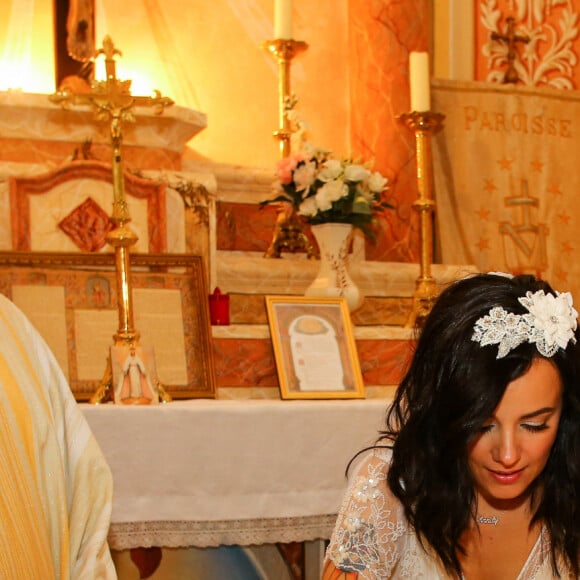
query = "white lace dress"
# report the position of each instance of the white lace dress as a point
(372, 536)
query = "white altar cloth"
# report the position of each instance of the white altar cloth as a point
(214, 472)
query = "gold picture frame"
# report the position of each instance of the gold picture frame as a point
(314, 348)
(72, 297)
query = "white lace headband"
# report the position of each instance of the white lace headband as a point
(550, 324)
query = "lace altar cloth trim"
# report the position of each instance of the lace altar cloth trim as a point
(127, 535)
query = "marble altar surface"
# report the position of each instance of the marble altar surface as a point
(33, 116)
(251, 273)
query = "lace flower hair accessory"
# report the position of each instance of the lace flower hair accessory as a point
(549, 324)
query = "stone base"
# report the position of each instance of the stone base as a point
(250, 273)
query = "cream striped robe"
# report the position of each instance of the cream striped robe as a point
(56, 488)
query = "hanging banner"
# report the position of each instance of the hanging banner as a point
(507, 179)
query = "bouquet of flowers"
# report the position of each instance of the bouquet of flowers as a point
(322, 190)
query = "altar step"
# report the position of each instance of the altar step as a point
(387, 287)
(374, 311)
(244, 355)
(246, 368)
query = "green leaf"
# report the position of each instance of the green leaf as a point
(361, 206)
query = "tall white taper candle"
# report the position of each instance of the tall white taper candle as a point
(283, 19)
(419, 81)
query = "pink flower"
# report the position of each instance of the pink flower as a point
(287, 166)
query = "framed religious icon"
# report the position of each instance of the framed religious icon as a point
(134, 375)
(314, 348)
(71, 299)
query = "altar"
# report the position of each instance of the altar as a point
(207, 473)
(246, 469)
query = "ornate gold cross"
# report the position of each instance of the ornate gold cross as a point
(510, 38)
(113, 100)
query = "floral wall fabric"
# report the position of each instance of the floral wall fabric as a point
(549, 54)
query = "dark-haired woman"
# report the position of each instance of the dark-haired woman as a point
(477, 473)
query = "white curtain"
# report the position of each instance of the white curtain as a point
(26, 30)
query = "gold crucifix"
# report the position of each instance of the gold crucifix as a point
(510, 38)
(113, 100)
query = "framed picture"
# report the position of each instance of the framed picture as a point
(134, 375)
(314, 348)
(71, 298)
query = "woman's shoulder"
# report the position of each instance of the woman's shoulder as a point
(371, 461)
(371, 522)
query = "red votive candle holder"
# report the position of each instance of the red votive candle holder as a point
(219, 308)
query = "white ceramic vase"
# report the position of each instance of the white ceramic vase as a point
(333, 279)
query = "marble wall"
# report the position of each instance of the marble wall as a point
(381, 36)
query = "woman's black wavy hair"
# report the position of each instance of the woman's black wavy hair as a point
(450, 389)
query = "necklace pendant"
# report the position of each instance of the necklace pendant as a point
(492, 520)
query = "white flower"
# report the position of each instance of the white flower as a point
(549, 324)
(329, 192)
(554, 316)
(304, 175)
(331, 169)
(377, 182)
(356, 173)
(308, 207)
(326, 190)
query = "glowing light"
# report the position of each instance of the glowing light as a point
(25, 62)
(30, 79)
(141, 83)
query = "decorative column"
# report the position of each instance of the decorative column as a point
(382, 35)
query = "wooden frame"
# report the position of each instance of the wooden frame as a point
(172, 292)
(314, 348)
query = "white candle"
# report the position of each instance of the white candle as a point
(419, 81)
(283, 19)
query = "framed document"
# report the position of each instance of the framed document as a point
(71, 299)
(314, 348)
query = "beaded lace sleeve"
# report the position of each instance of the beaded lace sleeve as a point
(371, 529)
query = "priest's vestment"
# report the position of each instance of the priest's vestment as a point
(55, 486)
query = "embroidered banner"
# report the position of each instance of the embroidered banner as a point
(507, 179)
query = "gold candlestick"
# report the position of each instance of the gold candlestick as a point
(113, 100)
(284, 51)
(288, 234)
(424, 125)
